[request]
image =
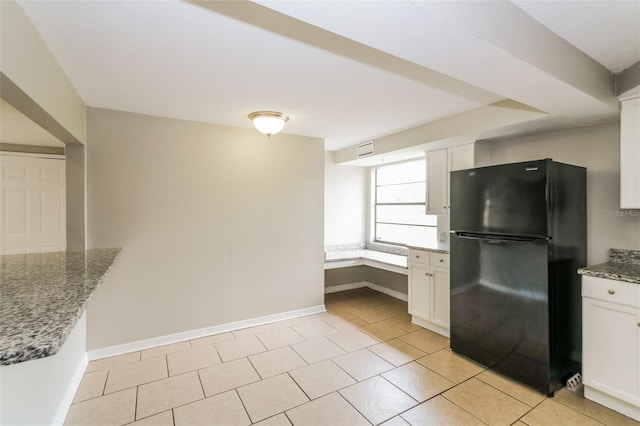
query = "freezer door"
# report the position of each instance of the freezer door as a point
(509, 199)
(499, 306)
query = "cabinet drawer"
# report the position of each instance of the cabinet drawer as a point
(418, 256)
(612, 291)
(440, 259)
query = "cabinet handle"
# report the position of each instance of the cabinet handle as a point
(441, 260)
(612, 291)
(417, 256)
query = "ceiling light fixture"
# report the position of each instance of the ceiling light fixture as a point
(268, 122)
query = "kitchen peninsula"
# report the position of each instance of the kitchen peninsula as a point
(43, 299)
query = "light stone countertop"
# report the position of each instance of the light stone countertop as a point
(42, 296)
(436, 247)
(623, 265)
(376, 256)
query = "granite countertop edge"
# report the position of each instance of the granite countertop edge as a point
(35, 351)
(614, 271)
(440, 248)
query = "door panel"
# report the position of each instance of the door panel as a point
(509, 199)
(440, 306)
(32, 204)
(499, 305)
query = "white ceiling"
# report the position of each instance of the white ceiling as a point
(397, 65)
(606, 30)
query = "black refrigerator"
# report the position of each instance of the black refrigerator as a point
(518, 238)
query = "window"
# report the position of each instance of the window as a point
(399, 205)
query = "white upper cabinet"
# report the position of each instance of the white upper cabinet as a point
(630, 153)
(442, 162)
(437, 182)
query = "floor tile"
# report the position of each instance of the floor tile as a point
(166, 349)
(136, 373)
(314, 329)
(439, 411)
(91, 385)
(223, 409)
(352, 340)
(331, 410)
(394, 308)
(426, 340)
(279, 338)
(578, 402)
(396, 351)
(377, 399)
(279, 420)
(517, 390)
(106, 363)
(212, 340)
(417, 381)
(252, 331)
(396, 421)
(275, 362)
(341, 308)
(451, 365)
(193, 359)
(362, 364)
(486, 403)
(230, 375)
(551, 413)
(239, 348)
(382, 330)
(403, 322)
(286, 323)
(317, 350)
(163, 419)
(271, 396)
(168, 393)
(321, 378)
(114, 409)
(342, 324)
(370, 315)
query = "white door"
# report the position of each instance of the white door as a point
(440, 299)
(611, 349)
(32, 204)
(419, 291)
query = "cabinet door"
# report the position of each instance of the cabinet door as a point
(419, 291)
(437, 182)
(630, 154)
(461, 157)
(611, 349)
(440, 297)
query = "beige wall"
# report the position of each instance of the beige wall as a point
(345, 208)
(216, 224)
(598, 149)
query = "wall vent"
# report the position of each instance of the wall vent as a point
(364, 149)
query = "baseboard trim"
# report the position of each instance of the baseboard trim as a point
(344, 287)
(388, 291)
(70, 393)
(372, 286)
(198, 333)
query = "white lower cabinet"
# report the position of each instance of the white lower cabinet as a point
(429, 290)
(611, 344)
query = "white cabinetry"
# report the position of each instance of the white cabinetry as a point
(429, 290)
(444, 161)
(611, 344)
(630, 153)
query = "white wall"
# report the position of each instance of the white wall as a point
(345, 205)
(598, 149)
(216, 224)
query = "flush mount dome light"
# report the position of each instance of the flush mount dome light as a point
(268, 122)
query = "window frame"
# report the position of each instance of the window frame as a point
(374, 203)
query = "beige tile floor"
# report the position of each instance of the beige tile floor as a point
(363, 362)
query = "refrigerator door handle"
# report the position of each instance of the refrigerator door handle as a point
(499, 239)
